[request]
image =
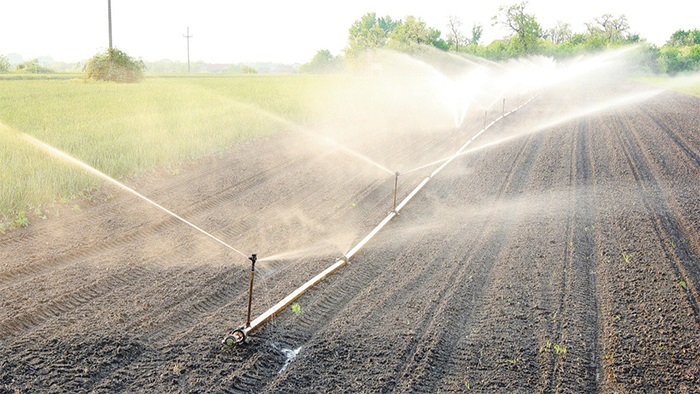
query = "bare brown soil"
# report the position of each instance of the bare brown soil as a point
(566, 260)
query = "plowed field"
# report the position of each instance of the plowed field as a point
(564, 260)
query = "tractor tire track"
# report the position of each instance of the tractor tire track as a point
(67, 302)
(486, 346)
(575, 364)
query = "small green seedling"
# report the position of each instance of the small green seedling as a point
(546, 346)
(296, 309)
(21, 220)
(559, 349)
(626, 257)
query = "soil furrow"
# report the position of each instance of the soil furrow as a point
(535, 265)
(576, 358)
(662, 217)
(690, 152)
(647, 316)
(437, 346)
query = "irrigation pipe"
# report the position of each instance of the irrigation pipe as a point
(241, 334)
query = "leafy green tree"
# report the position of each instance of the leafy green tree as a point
(681, 52)
(114, 65)
(561, 33)
(526, 30)
(412, 33)
(369, 33)
(455, 38)
(671, 60)
(323, 63)
(684, 38)
(497, 50)
(609, 30)
(4, 64)
(477, 31)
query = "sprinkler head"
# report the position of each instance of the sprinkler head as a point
(253, 257)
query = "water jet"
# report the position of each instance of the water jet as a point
(240, 335)
(62, 155)
(396, 186)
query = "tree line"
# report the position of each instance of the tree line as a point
(527, 37)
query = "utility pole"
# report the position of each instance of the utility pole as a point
(188, 36)
(109, 16)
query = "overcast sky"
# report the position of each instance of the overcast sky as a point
(281, 31)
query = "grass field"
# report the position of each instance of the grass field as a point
(124, 129)
(689, 84)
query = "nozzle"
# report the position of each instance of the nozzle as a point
(253, 257)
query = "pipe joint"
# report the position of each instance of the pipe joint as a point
(237, 337)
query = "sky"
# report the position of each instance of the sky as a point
(281, 31)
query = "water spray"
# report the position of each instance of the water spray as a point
(62, 155)
(396, 187)
(239, 336)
